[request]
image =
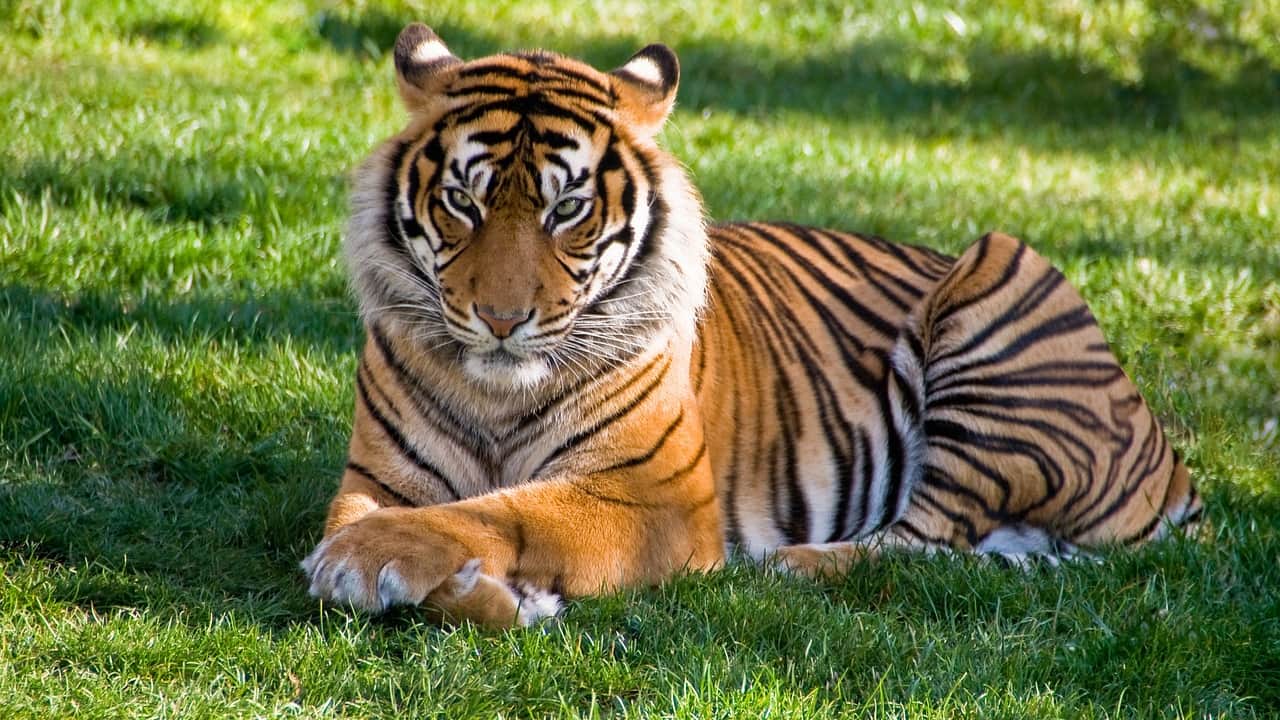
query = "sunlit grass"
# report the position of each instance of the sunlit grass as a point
(177, 347)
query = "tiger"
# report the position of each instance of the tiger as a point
(573, 383)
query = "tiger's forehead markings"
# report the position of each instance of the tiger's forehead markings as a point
(588, 117)
(553, 154)
(540, 71)
(531, 84)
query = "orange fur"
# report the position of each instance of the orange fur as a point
(571, 385)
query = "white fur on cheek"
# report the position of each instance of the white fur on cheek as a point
(422, 250)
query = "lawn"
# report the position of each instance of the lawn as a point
(177, 352)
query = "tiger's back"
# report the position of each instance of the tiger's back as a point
(860, 391)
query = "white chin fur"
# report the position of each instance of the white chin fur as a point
(528, 373)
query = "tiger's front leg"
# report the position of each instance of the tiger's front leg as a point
(636, 519)
(402, 556)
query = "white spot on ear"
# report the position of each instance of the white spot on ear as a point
(429, 52)
(645, 70)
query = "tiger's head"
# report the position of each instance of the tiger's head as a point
(525, 224)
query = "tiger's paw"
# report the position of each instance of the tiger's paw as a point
(536, 605)
(394, 557)
(386, 558)
(821, 561)
(486, 600)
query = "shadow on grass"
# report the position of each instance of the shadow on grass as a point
(123, 479)
(171, 186)
(149, 470)
(371, 32)
(1008, 92)
(264, 319)
(1015, 95)
(188, 33)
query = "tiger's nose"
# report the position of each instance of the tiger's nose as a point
(504, 322)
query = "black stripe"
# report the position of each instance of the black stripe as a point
(556, 140)
(1010, 270)
(588, 80)
(495, 137)
(860, 309)
(368, 475)
(941, 263)
(653, 451)
(934, 478)
(526, 106)
(1026, 303)
(401, 442)
(500, 68)
(871, 272)
(769, 327)
(961, 440)
(583, 435)
(917, 534)
(395, 237)
(466, 434)
(795, 525)
(688, 468)
(1048, 374)
(363, 370)
(481, 88)
(1061, 437)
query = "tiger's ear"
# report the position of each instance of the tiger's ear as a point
(646, 88)
(423, 65)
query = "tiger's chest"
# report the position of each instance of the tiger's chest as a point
(476, 457)
(469, 445)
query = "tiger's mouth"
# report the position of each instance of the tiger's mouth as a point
(504, 357)
(502, 368)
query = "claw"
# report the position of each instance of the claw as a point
(464, 581)
(392, 588)
(536, 605)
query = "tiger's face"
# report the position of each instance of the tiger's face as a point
(524, 231)
(530, 223)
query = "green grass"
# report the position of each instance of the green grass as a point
(176, 352)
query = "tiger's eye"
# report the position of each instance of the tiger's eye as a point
(568, 207)
(459, 198)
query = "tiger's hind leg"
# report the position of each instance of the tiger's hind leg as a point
(1019, 546)
(1036, 440)
(834, 559)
